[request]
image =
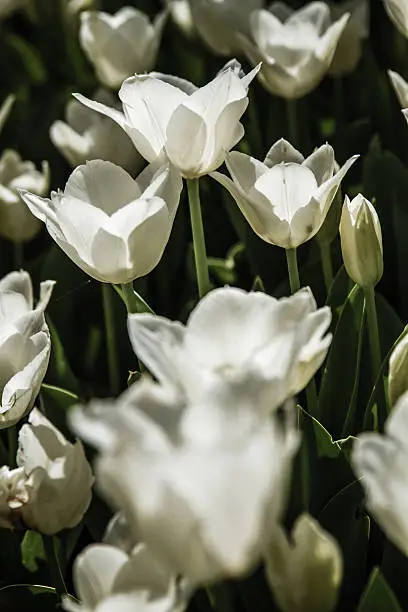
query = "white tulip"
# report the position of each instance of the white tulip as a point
(361, 241)
(286, 198)
(108, 579)
(194, 127)
(400, 87)
(14, 495)
(16, 222)
(122, 44)
(202, 482)
(24, 345)
(398, 13)
(113, 227)
(305, 572)
(380, 461)
(349, 48)
(398, 371)
(85, 136)
(219, 21)
(296, 48)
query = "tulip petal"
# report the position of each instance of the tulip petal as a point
(322, 163)
(282, 152)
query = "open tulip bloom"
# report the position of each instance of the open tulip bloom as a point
(285, 198)
(194, 127)
(113, 227)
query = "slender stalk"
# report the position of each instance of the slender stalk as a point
(292, 119)
(113, 362)
(294, 280)
(12, 445)
(327, 264)
(49, 543)
(203, 279)
(129, 298)
(375, 351)
(18, 255)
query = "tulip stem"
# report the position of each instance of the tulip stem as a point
(129, 298)
(292, 118)
(203, 279)
(327, 264)
(12, 445)
(111, 349)
(375, 349)
(49, 543)
(294, 280)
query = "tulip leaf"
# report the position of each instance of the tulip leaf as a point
(32, 551)
(338, 391)
(59, 368)
(378, 596)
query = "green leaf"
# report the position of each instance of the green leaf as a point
(30, 58)
(338, 391)
(142, 305)
(32, 551)
(378, 596)
(59, 368)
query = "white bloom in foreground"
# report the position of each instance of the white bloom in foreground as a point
(50, 490)
(107, 579)
(113, 227)
(58, 474)
(296, 48)
(122, 44)
(85, 136)
(361, 241)
(381, 462)
(285, 198)
(24, 345)
(398, 371)
(400, 87)
(16, 222)
(200, 483)
(305, 571)
(349, 48)
(398, 13)
(194, 127)
(233, 336)
(219, 21)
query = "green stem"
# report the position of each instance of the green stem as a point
(203, 279)
(292, 119)
(113, 363)
(291, 259)
(49, 543)
(12, 445)
(375, 350)
(327, 264)
(129, 298)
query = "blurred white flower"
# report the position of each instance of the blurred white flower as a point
(361, 241)
(400, 87)
(219, 21)
(9, 6)
(398, 371)
(14, 494)
(16, 221)
(5, 109)
(85, 136)
(349, 48)
(236, 338)
(180, 12)
(201, 483)
(108, 579)
(24, 345)
(296, 48)
(286, 198)
(305, 571)
(122, 44)
(194, 127)
(113, 227)
(381, 461)
(398, 13)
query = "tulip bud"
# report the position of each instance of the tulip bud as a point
(306, 572)
(398, 371)
(16, 221)
(361, 241)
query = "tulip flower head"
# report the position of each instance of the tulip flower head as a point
(285, 198)
(195, 128)
(113, 227)
(122, 44)
(296, 48)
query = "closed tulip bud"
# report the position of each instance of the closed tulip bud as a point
(398, 371)
(16, 221)
(400, 87)
(361, 241)
(218, 23)
(398, 13)
(296, 48)
(305, 572)
(349, 48)
(85, 136)
(113, 227)
(122, 44)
